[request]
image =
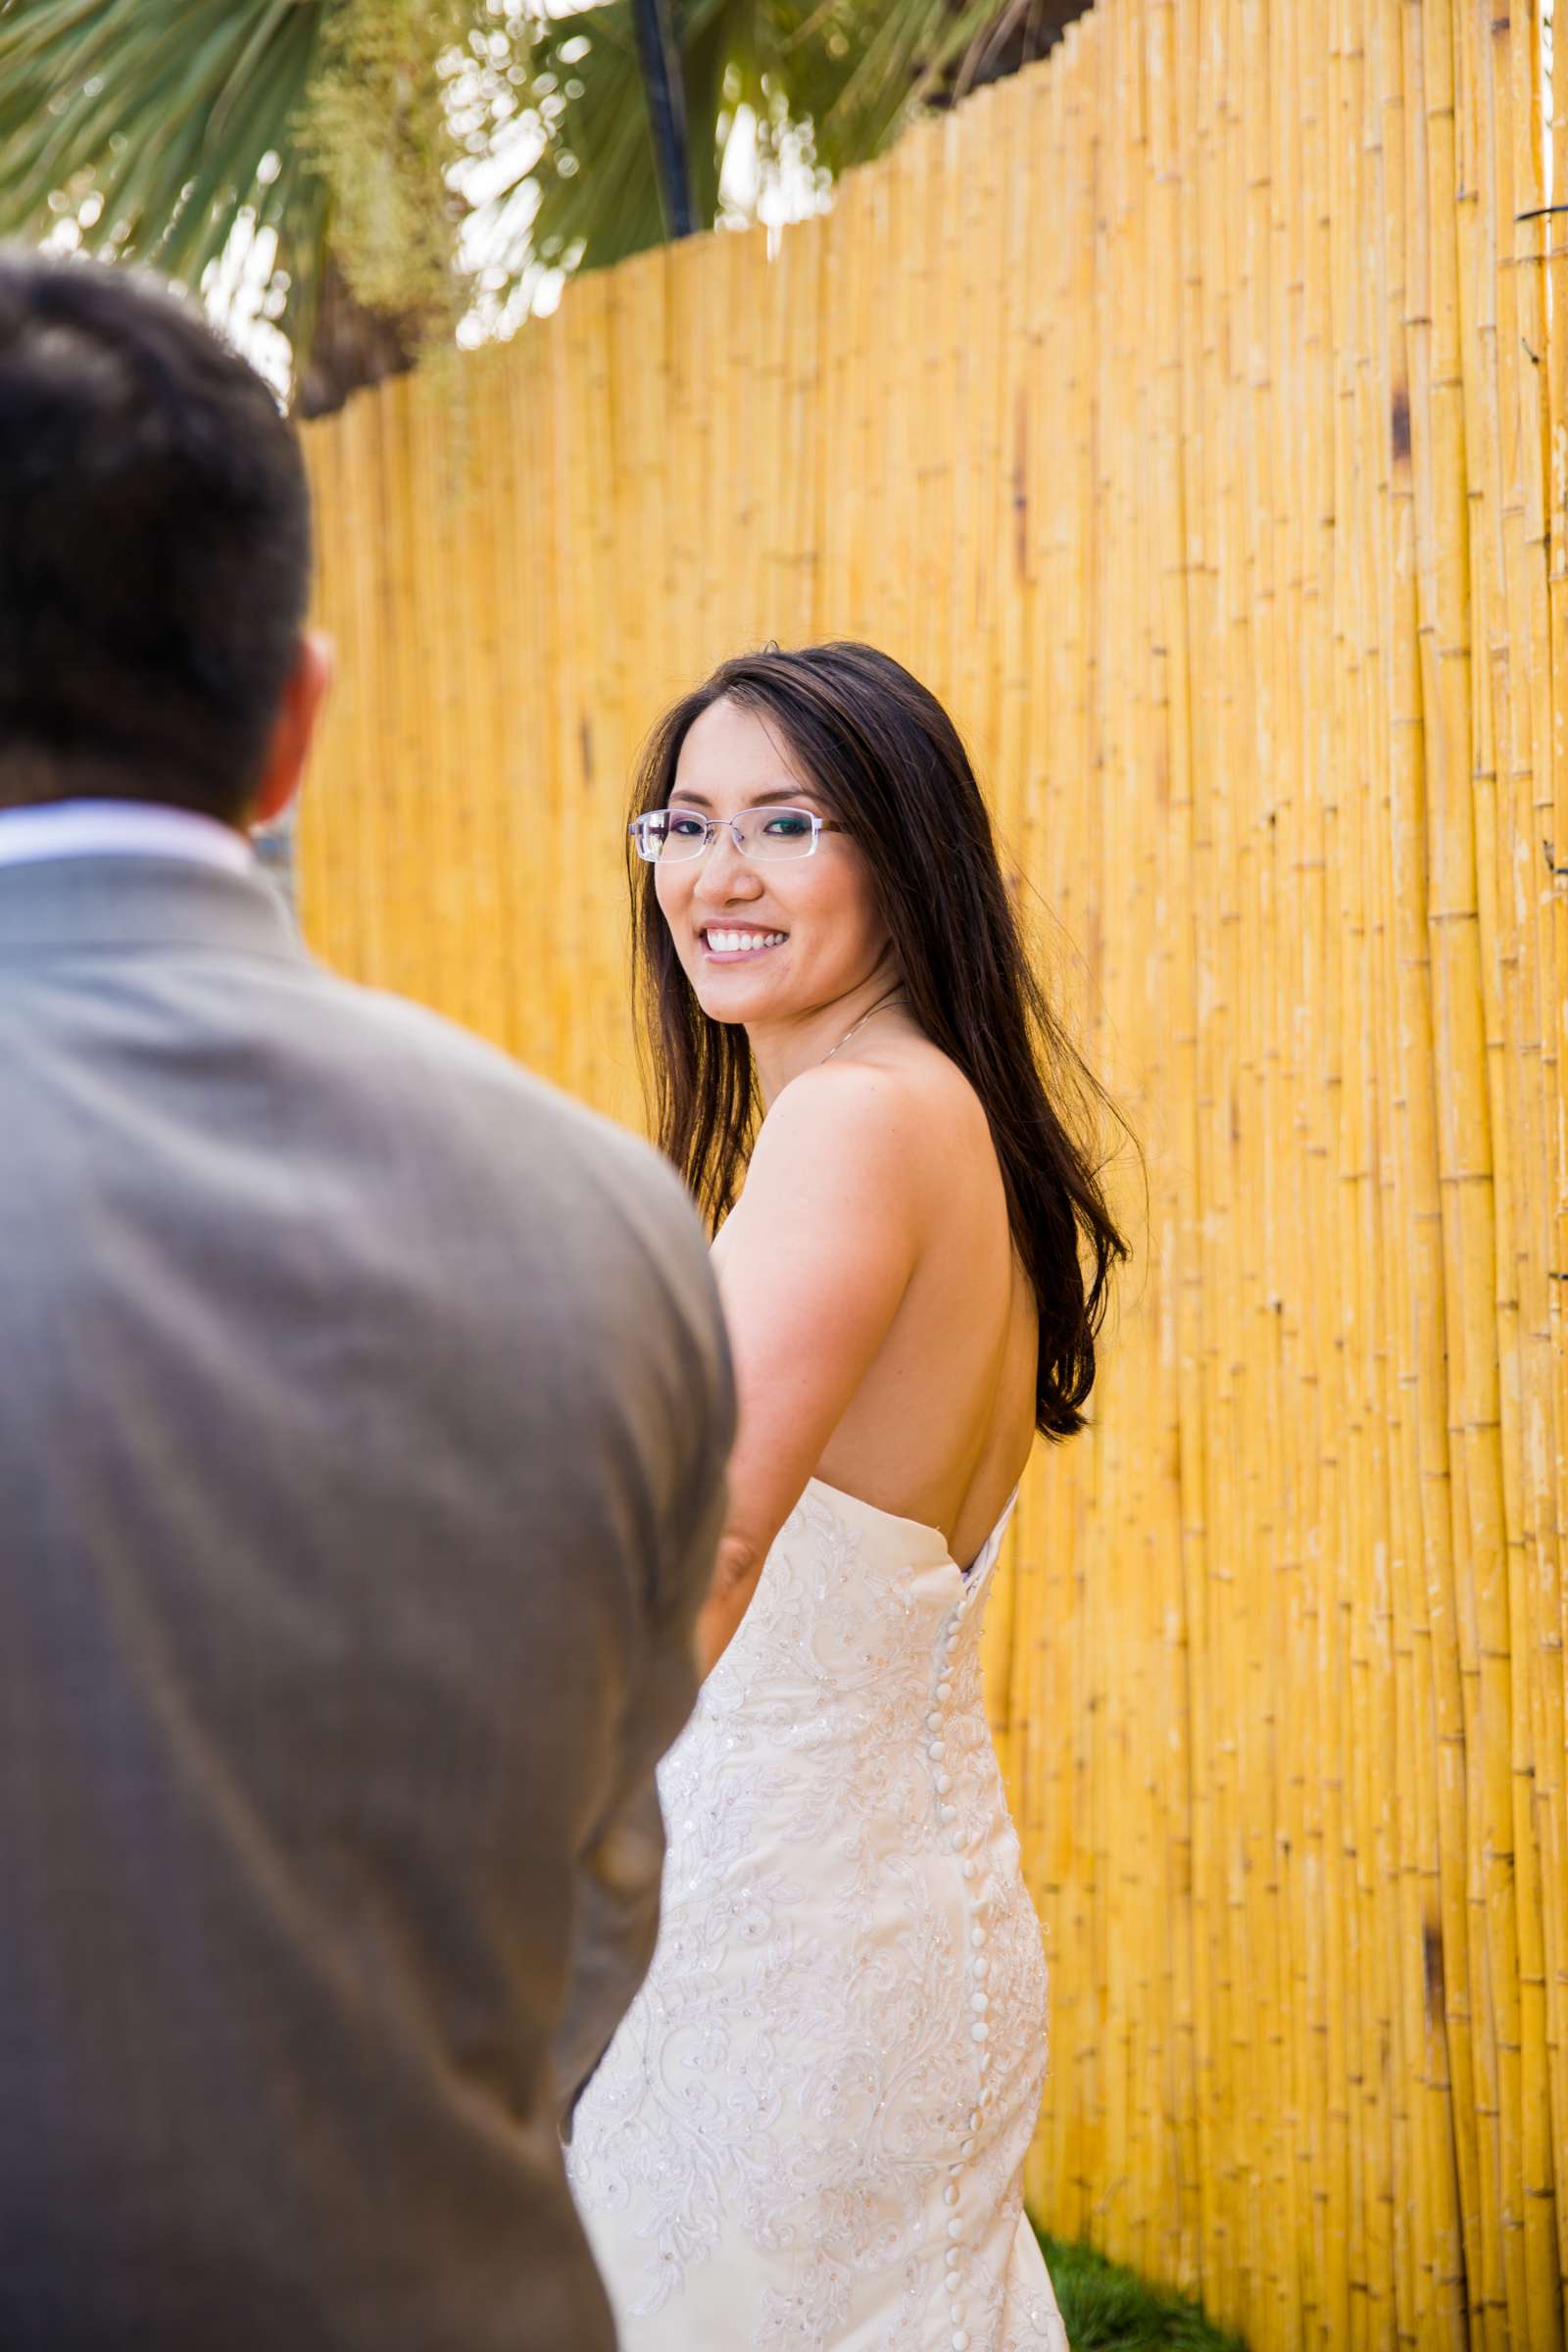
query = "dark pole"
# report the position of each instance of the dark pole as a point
(658, 56)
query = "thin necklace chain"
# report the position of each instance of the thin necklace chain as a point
(880, 1005)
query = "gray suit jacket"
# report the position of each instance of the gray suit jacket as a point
(361, 1435)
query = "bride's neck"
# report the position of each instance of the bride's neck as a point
(782, 1049)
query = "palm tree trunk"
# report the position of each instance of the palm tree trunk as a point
(658, 55)
(351, 347)
(1021, 31)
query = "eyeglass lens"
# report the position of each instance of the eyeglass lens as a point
(669, 835)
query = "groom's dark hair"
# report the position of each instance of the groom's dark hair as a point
(155, 544)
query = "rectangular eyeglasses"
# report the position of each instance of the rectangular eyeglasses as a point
(666, 836)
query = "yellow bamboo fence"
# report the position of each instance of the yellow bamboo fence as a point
(1191, 413)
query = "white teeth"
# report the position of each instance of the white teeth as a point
(740, 943)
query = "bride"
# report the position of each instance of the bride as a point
(810, 2130)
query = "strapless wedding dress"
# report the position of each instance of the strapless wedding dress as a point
(809, 2132)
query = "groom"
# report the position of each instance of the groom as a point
(361, 1425)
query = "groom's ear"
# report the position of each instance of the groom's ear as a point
(289, 746)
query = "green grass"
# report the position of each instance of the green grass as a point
(1109, 2310)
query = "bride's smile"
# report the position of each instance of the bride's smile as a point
(724, 944)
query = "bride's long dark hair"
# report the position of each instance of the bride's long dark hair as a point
(889, 764)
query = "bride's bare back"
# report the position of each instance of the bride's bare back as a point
(885, 1335)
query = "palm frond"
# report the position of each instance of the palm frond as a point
(598, 191)
(842, 76)
(860, 89)
(156, 122)
(597, 184)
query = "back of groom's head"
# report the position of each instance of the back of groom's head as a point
(155, 547)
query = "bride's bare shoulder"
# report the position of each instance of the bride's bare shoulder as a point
(897, 1105)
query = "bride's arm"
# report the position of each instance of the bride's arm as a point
(816, 1260)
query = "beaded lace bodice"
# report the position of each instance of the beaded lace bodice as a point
(808, 2133)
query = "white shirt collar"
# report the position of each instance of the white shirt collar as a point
(119, 829)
